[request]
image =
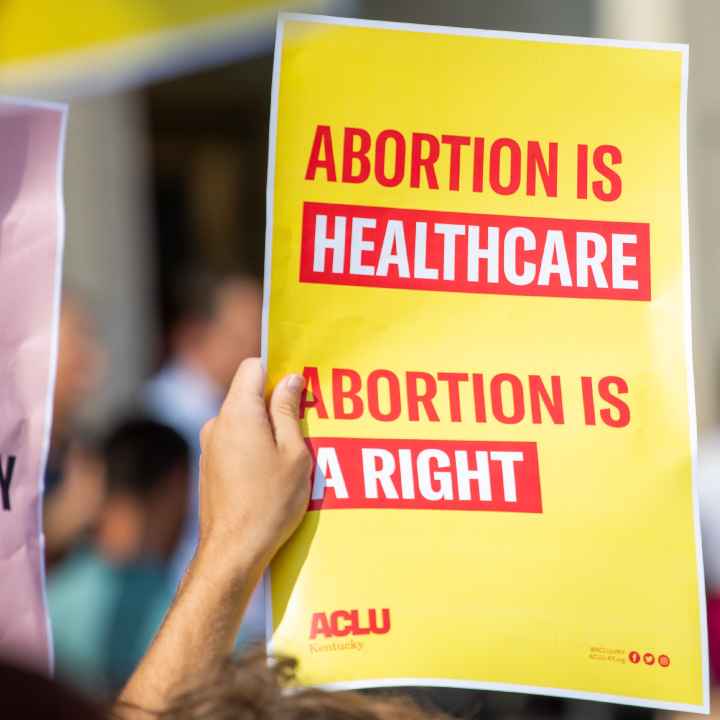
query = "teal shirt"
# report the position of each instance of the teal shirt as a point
(104, 617)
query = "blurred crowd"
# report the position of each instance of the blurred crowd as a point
(121, 520)
(121, 503)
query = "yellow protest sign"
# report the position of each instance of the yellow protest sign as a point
(477, 253)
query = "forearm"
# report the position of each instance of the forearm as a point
(199, 629)
(254, 491)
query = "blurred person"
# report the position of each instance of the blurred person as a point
(216, 325)
(73, 481)
(108, 598)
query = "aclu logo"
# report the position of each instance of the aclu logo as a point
(341, 623)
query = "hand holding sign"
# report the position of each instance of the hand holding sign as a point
(254, 469)
(487, 290)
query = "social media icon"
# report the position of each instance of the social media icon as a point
(649, 659)
(634, 657)
(664, 661)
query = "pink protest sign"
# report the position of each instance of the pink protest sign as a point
(31, 234)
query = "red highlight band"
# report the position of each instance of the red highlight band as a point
(474, 253)
(424, 475)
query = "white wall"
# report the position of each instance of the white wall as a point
(108, 247)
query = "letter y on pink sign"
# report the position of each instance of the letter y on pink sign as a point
(31, 238)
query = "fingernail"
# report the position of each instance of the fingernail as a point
(296, 382)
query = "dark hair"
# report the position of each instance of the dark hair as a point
(26, 694)
(248, 688)
(139, 455)
(193, 297)
(194, 294)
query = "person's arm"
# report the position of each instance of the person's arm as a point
(254, 490)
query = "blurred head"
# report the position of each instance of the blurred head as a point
(247, 688)
(147, 469)
(26, 694)
(80, 361)
(217, 323)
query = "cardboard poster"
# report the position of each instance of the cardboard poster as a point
(31, 236)
(477, 252)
